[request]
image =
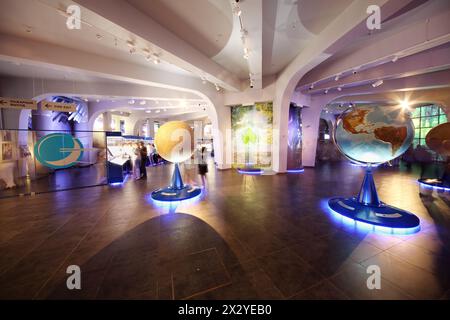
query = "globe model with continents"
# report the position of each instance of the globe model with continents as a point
(374, 134)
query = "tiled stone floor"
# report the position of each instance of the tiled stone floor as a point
(249, 237)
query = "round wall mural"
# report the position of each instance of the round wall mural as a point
(58, 150)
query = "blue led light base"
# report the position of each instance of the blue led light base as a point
(177, 191)
(438, 184)
(250, 170)
(367, 208)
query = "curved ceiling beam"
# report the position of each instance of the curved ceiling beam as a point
(418, 37)
(177, 51)
(53, 56)
(426, 61)
(434, 80)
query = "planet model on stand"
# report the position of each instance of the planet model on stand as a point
(438, 140)
(174, 142)
(371, 136)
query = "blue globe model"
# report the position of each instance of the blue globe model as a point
(374, 134)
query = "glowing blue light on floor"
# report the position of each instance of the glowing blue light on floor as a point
(115, 184)
(174, 204)
(429, 186)
(364, 227)
(250, 172)
(295, 170)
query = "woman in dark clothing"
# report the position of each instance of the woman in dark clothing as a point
(202, 165)
(144, 159)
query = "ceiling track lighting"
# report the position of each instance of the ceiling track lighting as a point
(377, 83)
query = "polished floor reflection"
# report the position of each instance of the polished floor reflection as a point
(249, 237)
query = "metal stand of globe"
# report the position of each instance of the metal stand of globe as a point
(177, 191)
(367, 208)
(438, 140)
(356, 137)
(174, 142)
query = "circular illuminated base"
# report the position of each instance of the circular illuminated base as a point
(382, 216)
(435, 184)
(250, 170)
(299, 170)
(169, 194)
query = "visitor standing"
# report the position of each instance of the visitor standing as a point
(137, 161)
(202, 165)
(144, 158)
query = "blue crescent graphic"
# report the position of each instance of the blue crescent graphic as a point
(58, 150)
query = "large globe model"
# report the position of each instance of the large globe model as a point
(174, 141)
(374, 134)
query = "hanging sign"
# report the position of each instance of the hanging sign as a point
(58, 106)
(14, 103)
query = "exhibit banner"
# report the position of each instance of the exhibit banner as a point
(294, 154)
(251, 128)
(58, 106)
(16, 103)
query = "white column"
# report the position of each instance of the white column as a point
(310, 131)
(198, 131)
(107, 121)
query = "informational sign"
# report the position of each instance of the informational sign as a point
(58, 150)
(58, 106)
(17, 103)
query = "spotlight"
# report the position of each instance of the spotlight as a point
(377, 83)
(339, 89)
(148, 111)
(404, 104)
(143, 102)
(394, 59)
(217, 87)
(336, 78)
(131, 101)
(246, 53)
(156, 59)
(311, 86)
(326, 91)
